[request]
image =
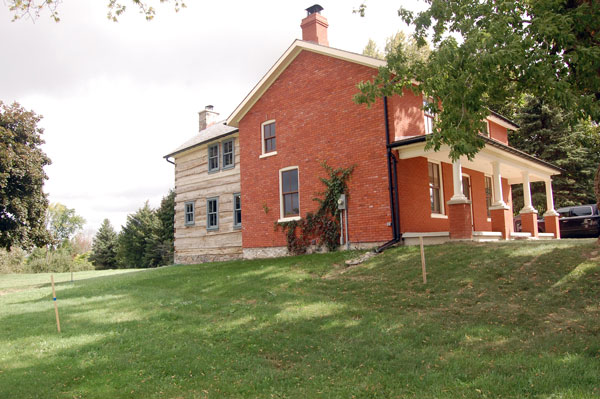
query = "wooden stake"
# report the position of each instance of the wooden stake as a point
(55, 304)
(423, 269)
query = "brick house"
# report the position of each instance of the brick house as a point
(301, 113)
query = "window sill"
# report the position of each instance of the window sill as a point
(489, 219)
(237, 227)
(439, 216)
(189, 224)
(228, 167)
(268, 154)
(289, 219)
(212, 229)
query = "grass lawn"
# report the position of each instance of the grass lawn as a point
(501, 320)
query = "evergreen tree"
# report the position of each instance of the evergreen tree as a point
(166, 233)
(546, 134)
(138, 239)
(104, 249)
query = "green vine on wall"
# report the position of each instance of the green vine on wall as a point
(323, 227)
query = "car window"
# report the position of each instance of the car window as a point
(582, 211)
(564, 212)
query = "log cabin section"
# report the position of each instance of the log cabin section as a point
(207, 196)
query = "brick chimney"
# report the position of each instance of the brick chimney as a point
(314, 26)
(207, 118)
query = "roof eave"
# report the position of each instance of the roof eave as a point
(179, 151)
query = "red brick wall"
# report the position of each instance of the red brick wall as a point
(413, 189)
(406, 115)
(498, 132)
(316, 120)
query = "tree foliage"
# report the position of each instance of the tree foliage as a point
(411, 48)
(546, 134)
(546, 48)
(23, 204)
(33, 8)
(104, 248)
(62, 223)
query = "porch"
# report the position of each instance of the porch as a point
(441, 199)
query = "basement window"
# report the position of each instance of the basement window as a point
(189, 213)
(212, 213)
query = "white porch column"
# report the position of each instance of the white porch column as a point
(497, 182)
(549, 199)
(458, 197)
(528, 207)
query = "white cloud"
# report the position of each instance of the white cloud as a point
(117, 97)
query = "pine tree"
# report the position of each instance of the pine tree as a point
(545, 133)
(104, 249)
(166, 233)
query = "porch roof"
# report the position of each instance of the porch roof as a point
(512, 161)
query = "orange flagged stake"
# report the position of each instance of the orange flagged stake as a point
(55, 304)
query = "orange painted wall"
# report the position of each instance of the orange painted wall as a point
(498, 132)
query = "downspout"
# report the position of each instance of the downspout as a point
(167, 159)
(392, 186)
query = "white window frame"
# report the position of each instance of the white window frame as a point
(281, 217)
(488, 132)
(435, 215)
(427, 115)
(262, 139)
(193, 213)
(489, 218)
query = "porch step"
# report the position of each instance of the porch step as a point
(520, 236)
(485, 236)
(546, 236)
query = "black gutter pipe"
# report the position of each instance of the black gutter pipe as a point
(167, 159)
(392, 186)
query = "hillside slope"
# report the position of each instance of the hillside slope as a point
(508, 320)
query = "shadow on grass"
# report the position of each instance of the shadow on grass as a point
(482, 326)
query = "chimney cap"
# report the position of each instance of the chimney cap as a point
(209, 107)
(316, 9)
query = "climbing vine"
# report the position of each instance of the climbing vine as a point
(323, 226)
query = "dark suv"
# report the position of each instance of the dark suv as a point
(579, 221)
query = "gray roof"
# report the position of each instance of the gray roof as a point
(213, 132)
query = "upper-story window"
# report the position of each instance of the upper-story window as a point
(486, 132)
(228, 154)
(429, 117)
(269, 142)
(213, 157)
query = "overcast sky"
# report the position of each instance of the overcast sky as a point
(117, 97)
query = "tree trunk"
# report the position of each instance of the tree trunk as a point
(597, 191)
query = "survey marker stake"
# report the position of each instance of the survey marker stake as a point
(55, 304)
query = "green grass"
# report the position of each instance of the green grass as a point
(505, 320)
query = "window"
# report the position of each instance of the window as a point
(228, 156)
(189, 213)
(429, 117)
(213, 157)
(582, 211)
(237, 210)
(269, 141)
(212, 213)
(488, 195)
(486, 133)
(435, 188)
(289, 193)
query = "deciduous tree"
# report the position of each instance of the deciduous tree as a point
(23, 204)
(32, 8)
(63, 222)
(488, 51)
